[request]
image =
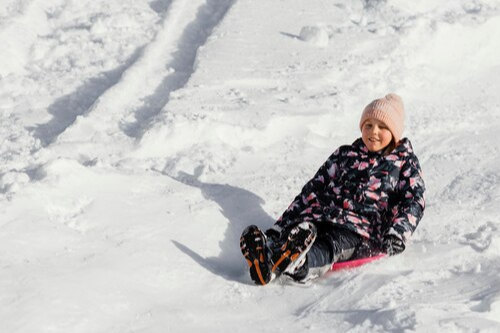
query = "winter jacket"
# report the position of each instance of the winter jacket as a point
(365, 192)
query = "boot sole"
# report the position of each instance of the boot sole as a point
(253, 248)
(291, 253)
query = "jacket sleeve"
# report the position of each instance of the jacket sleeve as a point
(408, 211)
(308, 197)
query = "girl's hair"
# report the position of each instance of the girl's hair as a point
(390, 147)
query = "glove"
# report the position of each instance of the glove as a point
(392, 245)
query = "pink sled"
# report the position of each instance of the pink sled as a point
(337, 266)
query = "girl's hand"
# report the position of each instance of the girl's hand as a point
(392, 245)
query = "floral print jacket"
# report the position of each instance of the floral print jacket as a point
(368, 193)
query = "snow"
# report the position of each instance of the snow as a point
(139, 138)
(315, 35)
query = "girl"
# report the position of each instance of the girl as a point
(367, 197)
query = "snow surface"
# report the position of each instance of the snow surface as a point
(139, 138)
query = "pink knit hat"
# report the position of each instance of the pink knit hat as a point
(390, 110)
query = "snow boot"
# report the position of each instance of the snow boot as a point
(254, 248)
(292, 253)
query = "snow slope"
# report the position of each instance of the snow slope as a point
(139, 138)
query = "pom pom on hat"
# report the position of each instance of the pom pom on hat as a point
(390, 110)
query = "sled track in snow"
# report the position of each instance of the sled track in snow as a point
(130, 104)
(67, 109)
(182, 63)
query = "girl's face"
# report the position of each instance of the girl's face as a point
(375, 134)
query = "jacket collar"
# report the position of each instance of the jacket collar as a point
(403, 146)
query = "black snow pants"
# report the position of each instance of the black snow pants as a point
(332, 244)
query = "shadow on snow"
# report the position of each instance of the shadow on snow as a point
(242, 208)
